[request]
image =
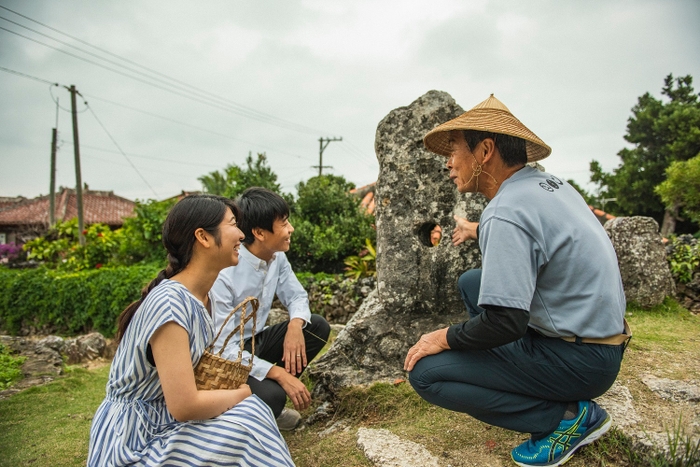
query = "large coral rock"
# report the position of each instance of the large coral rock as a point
(416, 282)
(641, 255)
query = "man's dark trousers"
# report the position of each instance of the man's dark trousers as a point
(523, 386)
(269, 345)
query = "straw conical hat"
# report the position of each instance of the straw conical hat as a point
(492, 116)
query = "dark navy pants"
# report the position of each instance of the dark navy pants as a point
(269, 345)
(524, 385)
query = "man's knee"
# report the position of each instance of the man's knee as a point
(270, 392)
(469, 285)
(419, 376)
(320, 327)
(469, 281)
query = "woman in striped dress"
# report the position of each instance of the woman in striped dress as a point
(153, 414)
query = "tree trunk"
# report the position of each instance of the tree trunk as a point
(670, 217)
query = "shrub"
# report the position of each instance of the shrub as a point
(683, 253)
(60, 247)
(140, 236)
(10, 253)
(69, 302)
(9, 368)
(329, 225)
(364, 264)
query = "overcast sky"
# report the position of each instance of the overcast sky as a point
(275, 76)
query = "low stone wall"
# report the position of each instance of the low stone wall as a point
(47, 355)
(335, 300)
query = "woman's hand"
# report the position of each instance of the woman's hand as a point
(171, 353)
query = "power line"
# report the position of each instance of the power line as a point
(151, 114)
(140, 156)
(55, 99)
(24, 75)
(186, 88)
(172, 120)
(359, 152)
(189, 86)
(211, 104)
(90, 156)
(120, 149)
(239, 109)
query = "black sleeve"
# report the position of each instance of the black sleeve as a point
(496, 326)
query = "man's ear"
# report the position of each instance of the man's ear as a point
(202, 236)
(258, 233)
(489, 149)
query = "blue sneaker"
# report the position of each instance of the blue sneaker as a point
(590, 423)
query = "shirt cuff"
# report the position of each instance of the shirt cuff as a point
(302, 314)
(451, 338)
(260, 368)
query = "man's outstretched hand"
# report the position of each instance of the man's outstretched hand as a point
(463, 231)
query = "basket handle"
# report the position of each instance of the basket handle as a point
(255, 304)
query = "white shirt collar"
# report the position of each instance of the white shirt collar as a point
(254, 261)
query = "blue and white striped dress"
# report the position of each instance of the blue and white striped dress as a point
(133, 425)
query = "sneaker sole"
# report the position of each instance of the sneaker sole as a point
(593, 435)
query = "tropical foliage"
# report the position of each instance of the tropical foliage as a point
(661, 132)
(329, 224)
(364, 264)
(234, 179)
(680, 192)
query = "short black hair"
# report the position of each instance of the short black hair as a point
(260, 208)
(513, 149)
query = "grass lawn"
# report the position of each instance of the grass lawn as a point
(49, 425)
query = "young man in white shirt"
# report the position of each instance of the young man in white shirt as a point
(284, 350)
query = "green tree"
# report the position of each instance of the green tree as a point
(329, 225)
(661, 132)
(589, 198)
(233, 179)
(141, 236)
(681, 189)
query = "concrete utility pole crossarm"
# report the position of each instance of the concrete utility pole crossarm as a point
(322, 148)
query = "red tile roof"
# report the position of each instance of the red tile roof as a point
(367, 193)
(602, 216)
(98, 206)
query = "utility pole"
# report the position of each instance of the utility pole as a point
(52, 188)
(78, 178)
(322, 147)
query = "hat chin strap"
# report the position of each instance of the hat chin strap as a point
(478, 169)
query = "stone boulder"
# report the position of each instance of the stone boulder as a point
(416, 281)
(45, 357)
(641, 255)
(385, 449)
(86, 348)
(688, 294)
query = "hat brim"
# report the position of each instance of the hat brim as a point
(437, 140)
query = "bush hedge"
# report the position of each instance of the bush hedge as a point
(68, 303)
(48, 301)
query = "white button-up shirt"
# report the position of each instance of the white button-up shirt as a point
(253, 277)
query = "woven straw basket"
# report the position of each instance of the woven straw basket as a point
(215, 372)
